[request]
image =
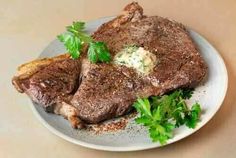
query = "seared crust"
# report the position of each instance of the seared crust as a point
(51, 83)
(26, 70)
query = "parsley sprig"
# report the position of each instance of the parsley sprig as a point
(161, 114)
(76, 37)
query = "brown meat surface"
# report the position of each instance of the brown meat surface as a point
(51, 83)
(96, 92)
(109, 91)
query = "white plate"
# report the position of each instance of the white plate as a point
(210, 95)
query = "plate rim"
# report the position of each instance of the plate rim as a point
(137, 148)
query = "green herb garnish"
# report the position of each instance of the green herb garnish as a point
(162, 114)
(98, 52)
(75, 38)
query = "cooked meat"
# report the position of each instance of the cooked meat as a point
(26, 70)
(96, 92)
(106, 92)
(109, 91)
(51, 83)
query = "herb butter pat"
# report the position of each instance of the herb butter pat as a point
(136, 57)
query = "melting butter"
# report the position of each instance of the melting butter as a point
(138, 58)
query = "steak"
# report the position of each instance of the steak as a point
(78, 89)
(109, 90)
(51, 83)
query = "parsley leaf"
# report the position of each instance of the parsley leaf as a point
(72, 44)
(161, 114)
(76, 26)
(77, 29)
(75, 38)
(143, 106)
(193, 117)
(98, 52)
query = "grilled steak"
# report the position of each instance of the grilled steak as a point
(108, 91)
(51, 84)
(96, 92)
